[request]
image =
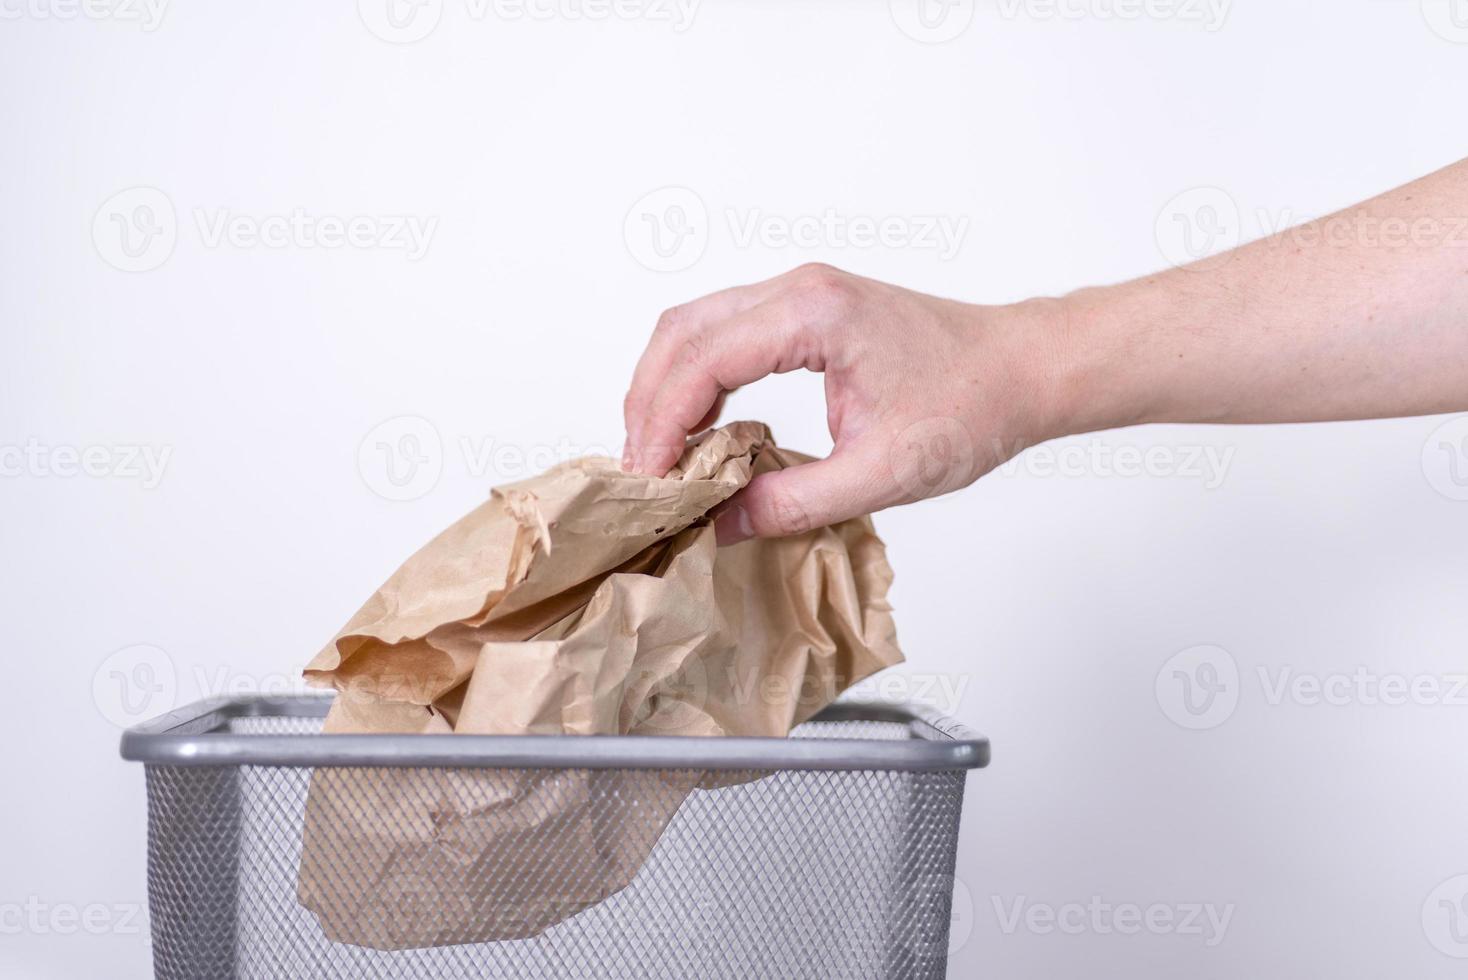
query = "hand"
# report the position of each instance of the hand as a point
(923, 395)
(1359, 315)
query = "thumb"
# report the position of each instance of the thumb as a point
(851, 482)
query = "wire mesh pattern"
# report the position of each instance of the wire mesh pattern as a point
(781, 874)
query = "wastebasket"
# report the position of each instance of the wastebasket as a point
(829, 854)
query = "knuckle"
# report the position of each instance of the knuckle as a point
(684, 413)
(815, 270)
(822, 294)
(696, 351)
(671, 320)
(784, 515)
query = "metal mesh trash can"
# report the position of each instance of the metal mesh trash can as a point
(829, 854)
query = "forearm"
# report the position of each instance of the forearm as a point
(1360, 315)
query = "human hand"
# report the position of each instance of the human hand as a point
(923, 395)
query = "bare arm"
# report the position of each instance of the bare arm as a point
(1360, 315)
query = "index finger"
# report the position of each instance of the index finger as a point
(716, 358)
(673, 329)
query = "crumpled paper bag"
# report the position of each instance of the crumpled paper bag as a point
(584, 601)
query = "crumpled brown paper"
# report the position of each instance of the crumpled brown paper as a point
(584, 601)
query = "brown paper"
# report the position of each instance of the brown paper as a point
(584, 601)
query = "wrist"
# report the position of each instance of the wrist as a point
(1096, 375)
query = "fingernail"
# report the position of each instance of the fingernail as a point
(733, 526)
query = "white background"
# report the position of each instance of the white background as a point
(1052, 601)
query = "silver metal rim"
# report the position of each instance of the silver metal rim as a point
(189, 737)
